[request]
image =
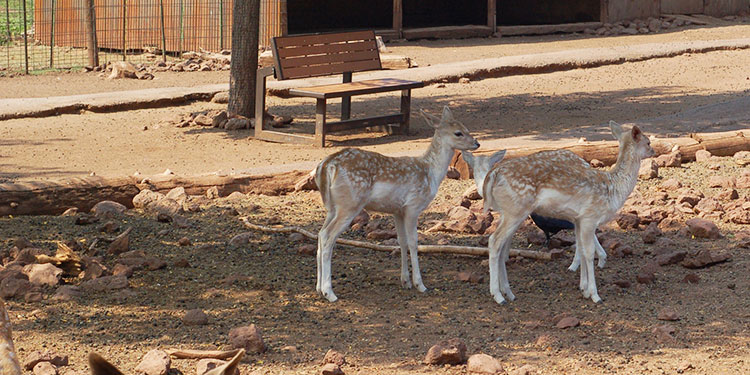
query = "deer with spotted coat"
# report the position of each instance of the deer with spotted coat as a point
(556, 184)
(351, 180)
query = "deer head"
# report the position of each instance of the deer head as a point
(481, 165)
(635, 137)
(450, 131)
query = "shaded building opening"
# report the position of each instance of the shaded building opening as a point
(304, 16)
(546, 12)
(434, 13)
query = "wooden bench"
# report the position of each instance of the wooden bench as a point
(327, 54)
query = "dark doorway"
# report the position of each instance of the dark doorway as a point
(433, 13)
(304, 16)
(546, 12)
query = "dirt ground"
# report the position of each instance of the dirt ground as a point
(543, 105)
(380, 327)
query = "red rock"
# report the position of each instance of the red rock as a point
(45, 368)
(568, 322)
(37, 357)
(622, 283)
(195, 317)
(651, 234)
(702, 155)
(743, 182)
(460, 213)
(453, 173)
(472, 193)
(691, 278)
(668, 314)
(240, 239)
(122, 270)
(451, 351)
(471, 277)
(182, 263)
(66, 293)
(94, 270)
(645, 277)
(109, 227)
(155, 362)
(184, 241)
(648, 170)
(722, 181)
(671, 258)
(334, 357)
(705, 258)
(484, 364)
(669, 224)
(703, 228)
(671, 184)
(739, 216)
(536, 237)
(248, 338)
(154, 264)
(628, 221)
(690, 196)
(12, 287)
(664, 333)
(105, 283)
(362, 218)
(728, 194)
(307, 249)
(709, 205)
(673, 159)
(331, 369)
(205, 365)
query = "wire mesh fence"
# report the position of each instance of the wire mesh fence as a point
(40, 35)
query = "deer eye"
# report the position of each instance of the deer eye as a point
(458, 134)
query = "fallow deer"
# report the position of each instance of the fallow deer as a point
(351, 180)
(550, 184)
(481, 165)
(8, 357)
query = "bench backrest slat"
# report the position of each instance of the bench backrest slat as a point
(325, 54)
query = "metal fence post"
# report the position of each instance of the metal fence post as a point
(25, 39)
(163, 33)
(91, 41)
(221, 24)
(182, 13)
(124, 32)
(52, 38)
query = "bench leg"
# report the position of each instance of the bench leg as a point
(403, 128)
(320, 123)
(346, 101)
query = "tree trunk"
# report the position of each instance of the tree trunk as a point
(245, 30)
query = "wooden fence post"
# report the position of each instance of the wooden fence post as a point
(25, 39)
(124, 32)
(91, 42)
(163, 33)
(52, 38)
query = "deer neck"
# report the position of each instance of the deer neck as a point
(437, 159)
(624, 175)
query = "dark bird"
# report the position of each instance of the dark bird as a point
(550, 226)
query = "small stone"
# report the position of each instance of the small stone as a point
(331, 369)
(109, 227)
(524, 370)
(648, 169)
(182, 263)
(155, 362)
(622, 283)
(122, 270)
(154, 264)
(671, 258)
(108, 207)
(705, 258)
(105, 283)
(45, 368)
(651, 234)
(451, 352)
(668, 314)
(184, 241)
(691, 278)
(728, 194)
(671, 184)
(248, 338)
(644, 277)
(664, 333)
(722, 182)
(307, 249)
(742, 157)
(702, 155)
(195, 317)
(484, 364)
(240, 239)
(672, 160)
(703, 228)
(66, 293)
(43, 274)
(471, 193)
(334, 357)
(568, 322)
(464, 80)
(453, 174)
(628, 221)
(596, 163)
(471, 277)
(221, 97)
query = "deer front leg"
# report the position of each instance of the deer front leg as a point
(318, 257)
(494, 252)
(588, 249)
(410, 226)
(404, 245)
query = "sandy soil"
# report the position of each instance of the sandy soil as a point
(380, 327)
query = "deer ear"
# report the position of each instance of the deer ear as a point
(615, 128)
(447, 114)
(431, 120)
(100, 366)
(468, 157)
(497, 157)
(637, 133)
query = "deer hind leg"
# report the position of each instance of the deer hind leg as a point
(499, 249)
(403, 243)
(588, 250)
(410, 227)
(326, 240)
(600, 253)
(329, 217)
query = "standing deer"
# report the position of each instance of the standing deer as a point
(481, 166)
(351, 180)
(552, 184)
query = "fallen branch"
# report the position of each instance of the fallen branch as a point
(202, 354)
(424, 249)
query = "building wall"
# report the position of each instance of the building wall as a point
(547, 12)
(681, 6)
(720, 8)
(618, 10)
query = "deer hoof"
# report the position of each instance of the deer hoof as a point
(421, 288)
(330, 296)
(406, 284)
(601, 262)
(499, 299)
(573, 267)
(595, 297)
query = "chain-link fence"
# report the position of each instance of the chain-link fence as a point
(39, 35)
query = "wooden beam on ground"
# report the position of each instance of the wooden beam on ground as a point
(548, 29)
(424, 249)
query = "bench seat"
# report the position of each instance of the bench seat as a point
(340, 90)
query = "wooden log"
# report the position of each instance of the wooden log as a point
(203, 354)
(424, 249)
